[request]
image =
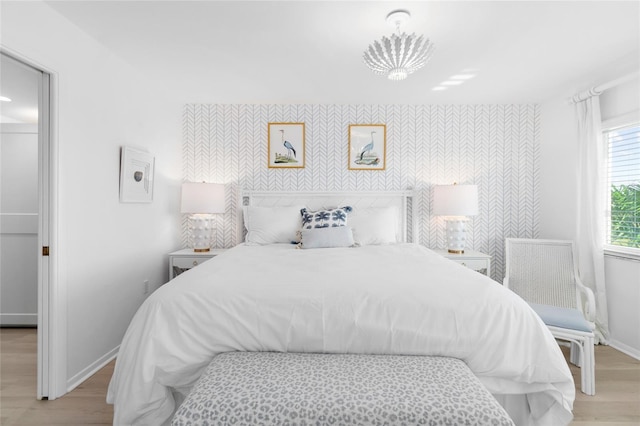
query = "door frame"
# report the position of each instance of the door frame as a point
(52, 321)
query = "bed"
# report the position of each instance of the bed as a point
(381, 294)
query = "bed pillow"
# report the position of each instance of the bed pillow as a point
(271, 225)
(373, 226)
(327, 218)
(338, 236)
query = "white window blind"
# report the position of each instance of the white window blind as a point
(623, 175)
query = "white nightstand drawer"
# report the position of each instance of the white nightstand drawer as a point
(188, 262)
(475, 264)
(185, 259)
(478, 261)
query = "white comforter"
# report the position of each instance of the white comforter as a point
(396, 299)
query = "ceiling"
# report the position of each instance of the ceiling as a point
(311, 51)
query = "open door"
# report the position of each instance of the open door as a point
(44, 212)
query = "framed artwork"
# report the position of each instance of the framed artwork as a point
(286, 145)
(136, 176)
(367, 146)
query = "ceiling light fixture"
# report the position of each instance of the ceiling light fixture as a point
(4, 99)
(401, 54)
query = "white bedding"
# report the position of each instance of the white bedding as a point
(392, 299)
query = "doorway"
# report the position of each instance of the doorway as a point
(18, 193)
(25, 207)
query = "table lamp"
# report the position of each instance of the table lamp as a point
(202, 200)
(456, 202)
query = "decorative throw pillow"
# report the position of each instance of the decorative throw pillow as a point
(271, 225)
(338, 236)
(328, 218)
(373, 226)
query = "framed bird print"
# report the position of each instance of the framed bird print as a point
(367, 146)
(286, 145)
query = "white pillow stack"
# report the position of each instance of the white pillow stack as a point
(272, 225)
(373, 226)
(368, 226)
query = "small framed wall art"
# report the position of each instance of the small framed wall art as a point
(286, 145)
(367, 146)
(136, 176)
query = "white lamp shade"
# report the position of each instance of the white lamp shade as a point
(455, 200)
(202, 198)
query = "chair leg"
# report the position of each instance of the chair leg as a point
(582, 353)
(575, 354)
(587, 370)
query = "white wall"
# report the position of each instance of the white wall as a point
(621, 100)
(558, 183)
(558, 169)
(105, 249)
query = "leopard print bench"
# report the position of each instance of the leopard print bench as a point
(268, 388)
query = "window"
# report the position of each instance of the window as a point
(623, 186)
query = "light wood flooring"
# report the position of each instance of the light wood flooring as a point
(616, 403)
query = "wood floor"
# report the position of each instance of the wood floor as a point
(616, 403)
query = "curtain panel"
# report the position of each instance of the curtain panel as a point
(591, 204)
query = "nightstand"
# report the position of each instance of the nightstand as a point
(185, 259)
(479, 262)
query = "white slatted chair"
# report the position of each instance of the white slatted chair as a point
(544, 273)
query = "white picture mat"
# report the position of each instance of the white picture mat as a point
(363, 156)
(294, 135)
(136, 176)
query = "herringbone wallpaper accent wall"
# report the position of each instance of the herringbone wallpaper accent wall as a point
(493, 146)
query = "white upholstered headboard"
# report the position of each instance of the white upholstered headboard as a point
(316, 200)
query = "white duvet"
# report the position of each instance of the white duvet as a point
(394, 299)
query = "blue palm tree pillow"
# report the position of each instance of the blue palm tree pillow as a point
(329, 218)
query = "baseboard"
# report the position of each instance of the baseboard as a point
(13, 320)
(632, 352)
(83, 375)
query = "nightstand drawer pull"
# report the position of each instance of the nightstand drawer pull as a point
(195, 263)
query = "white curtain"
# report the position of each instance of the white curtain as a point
(591, 204)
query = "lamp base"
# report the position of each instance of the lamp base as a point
(456, 235)
(201, 230)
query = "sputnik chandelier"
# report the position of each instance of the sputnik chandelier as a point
(401, 54)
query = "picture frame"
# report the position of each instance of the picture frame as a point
(367, 146)
(286, 146)
(136, 175)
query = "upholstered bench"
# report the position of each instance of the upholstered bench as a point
(268, 388)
